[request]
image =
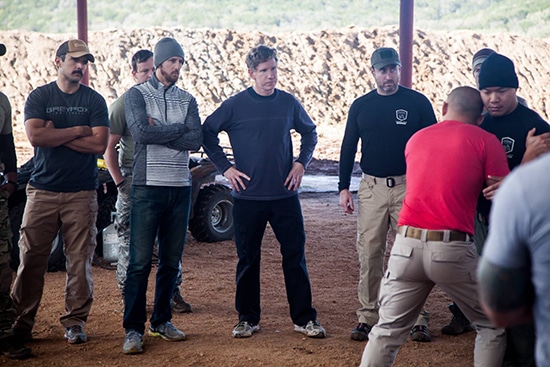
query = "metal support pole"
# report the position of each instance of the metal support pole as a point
(406, 22)
(82, 25)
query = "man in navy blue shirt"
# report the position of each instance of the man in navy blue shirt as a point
(265, 178)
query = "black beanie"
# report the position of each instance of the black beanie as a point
(165, 49)
(497, 71)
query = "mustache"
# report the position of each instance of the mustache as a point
(78, 72)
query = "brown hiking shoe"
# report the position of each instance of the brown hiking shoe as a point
(179, 305)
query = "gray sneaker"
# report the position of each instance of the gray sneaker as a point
(75, 335)
(312, 329)
(167, 331)
(133, 343)
(244, 329)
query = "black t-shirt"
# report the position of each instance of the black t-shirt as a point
(384, 124)
(62, 169)
(512, 131)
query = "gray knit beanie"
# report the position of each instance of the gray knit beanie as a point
(165, 49)
(480, 56)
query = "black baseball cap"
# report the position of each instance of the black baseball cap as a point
(384, 56)
(75, 48)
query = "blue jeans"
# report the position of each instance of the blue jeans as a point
(285, 217)
(163, 213)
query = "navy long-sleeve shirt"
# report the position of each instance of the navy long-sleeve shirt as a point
(259, 130)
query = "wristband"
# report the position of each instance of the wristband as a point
(121, 183)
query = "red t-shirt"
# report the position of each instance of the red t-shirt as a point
(447, 165)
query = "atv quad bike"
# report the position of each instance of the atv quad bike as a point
(211, 217)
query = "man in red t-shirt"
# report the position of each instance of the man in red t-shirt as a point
(447, 165)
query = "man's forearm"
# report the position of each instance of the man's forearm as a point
(7, 153)
(95, 144)
(44, 134)
(507, 294)
(191, 140)
(111, 159)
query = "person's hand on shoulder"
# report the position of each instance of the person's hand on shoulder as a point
(535, 145)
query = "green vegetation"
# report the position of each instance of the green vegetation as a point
(528, 17)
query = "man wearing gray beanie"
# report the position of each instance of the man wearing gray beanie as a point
(524, 136)
(161, 192)
(165, 49)
(479, 57)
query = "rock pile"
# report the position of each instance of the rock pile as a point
(326, 70)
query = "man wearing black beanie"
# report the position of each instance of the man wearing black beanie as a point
(524, 136)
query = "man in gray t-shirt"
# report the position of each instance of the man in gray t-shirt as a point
(514, 273)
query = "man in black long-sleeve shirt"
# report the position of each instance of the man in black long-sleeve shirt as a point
(384, 120)
(265, 179)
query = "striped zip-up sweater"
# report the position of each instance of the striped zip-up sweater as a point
(165, 125)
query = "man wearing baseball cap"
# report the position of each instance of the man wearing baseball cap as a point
(384, 120)
(75, 48)
(68, 125)
(524, 136)
(161, 191)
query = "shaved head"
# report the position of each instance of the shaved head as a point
(466, 102)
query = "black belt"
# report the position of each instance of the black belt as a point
(388, 181)
(446, 235)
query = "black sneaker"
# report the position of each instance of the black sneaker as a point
(420, 333)
(13, 348)
(459, 324)
(361, 331)
(22, 336)
(179, 305)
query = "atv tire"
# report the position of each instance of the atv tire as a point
(212, 219)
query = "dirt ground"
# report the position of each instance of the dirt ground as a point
(209, 273)
(326, 70)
